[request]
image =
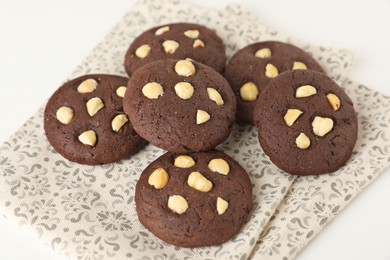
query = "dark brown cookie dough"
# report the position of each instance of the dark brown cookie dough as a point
(194, 200)
(176, 41)
(256, 65)
(194, 112)
(307, 124)
(84, 121)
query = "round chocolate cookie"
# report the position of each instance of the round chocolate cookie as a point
(180, 105)
(176, 41)
(84, 121)
(194, 200)
(307, 124)
(252, 67)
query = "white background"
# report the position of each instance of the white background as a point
(42, 41)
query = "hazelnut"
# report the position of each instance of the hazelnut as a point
(200, 183)
(94, 105)
(118, 122)
(322, 125)
(249, 91)
(184, 90)
(142, 51)
(334, 101)
(121, 91)
(263, 53)
(158, 178)
(177, 204)
(291, 116)
(198, 43)
(305, 91)
(215, 96)
(161, 30)
(202, 117)
(222, 205)
(219, 165)
(152, 90)
(65, 115)
(297, 65)
(185, 68)
(87, 86)
(184, 161)
(88, 138)
(302, 141)
(271, 71)
(192, 34)
(170, 46)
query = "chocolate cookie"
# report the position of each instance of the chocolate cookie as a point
(252, 67)
(194, 200)
(180, 106)
(84, 121)
(307, 124)
(176, 41)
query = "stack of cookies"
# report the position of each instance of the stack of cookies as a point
(306, 123)
(180, 97)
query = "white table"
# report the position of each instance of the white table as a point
(42, 41)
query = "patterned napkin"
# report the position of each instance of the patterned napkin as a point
(88, 212)
(313, 201)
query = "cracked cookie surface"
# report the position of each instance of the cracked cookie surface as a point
(180, 105)
(176, 41)
(194, 200)
(306, 123)
(84, 121)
